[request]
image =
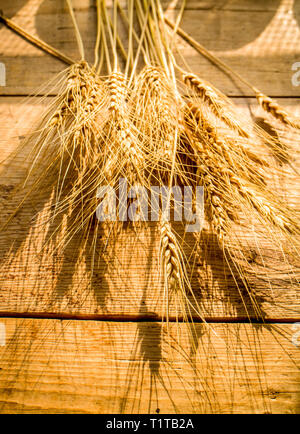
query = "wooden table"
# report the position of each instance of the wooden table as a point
(66, 347)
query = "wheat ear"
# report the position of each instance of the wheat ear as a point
(174, 272)
(171, 256)
(217, 215)
(218, 103)
(156, 117)
(117, 86)
(237, 154)
(272, 107)
(125, 154)
(229, 184)
(267, 103)
(270, 210)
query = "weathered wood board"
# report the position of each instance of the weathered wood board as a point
(127, 281)
(122, 360)
(243, 33)
(50, 366)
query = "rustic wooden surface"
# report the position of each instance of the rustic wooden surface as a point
(71, 347)
(89, 367)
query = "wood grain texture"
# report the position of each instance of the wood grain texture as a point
(124, 361)
(126, 283)
(260, 40)
(52, 366)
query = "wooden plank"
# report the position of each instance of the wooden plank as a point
(243, 33)
(245, 44)
(109, 367)
(41, 7)
(50, 366)
(126, 282)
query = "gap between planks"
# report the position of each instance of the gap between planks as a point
(138, 318)
(53, 95)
